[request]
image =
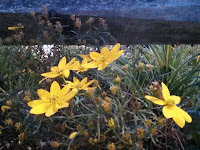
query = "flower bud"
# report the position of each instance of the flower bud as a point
(125, 68)
(113, 90)
(148, 122)
(90, 92)
(153, 131)
(117, 79)
(140, 66)
(111, 123)
(111, 146)
(103, 94)
(149, 67)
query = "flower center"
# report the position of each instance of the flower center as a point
(170, 102)
(103, 58)
(54, 98)
(59, 71)
(81, 68)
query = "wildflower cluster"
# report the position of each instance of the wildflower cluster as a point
(58, 98)
(82, 105)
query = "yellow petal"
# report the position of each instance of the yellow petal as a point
(40, 109)
(168, 111)
(84, 81)
(86, 57)
(155, 100)
(51, 110)
(62, 63)
(65, 89)
(62, 104)
(102, 66)
(115, 49)
(165, 92)
(13, 28)
(72, 135)
(105, 51)
(70, 95)
(76, 81)
(66, 73)
(180, 121)
(176, 99)
(75, 66)
(84, 61)
(68, 65)
(55, 88)
(93, 64)
(4, 107)
(184, 115)
(50, 74)
(54, 69)
(95, 56)
(87, 84)
(115, 56)
(35, 103)
(43, 94)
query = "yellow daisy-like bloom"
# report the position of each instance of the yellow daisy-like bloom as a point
(77, 85)
(170, 110)
(62, 69)
(79, 67)
(51, 101)
(105, 57)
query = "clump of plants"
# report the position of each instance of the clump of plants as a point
(98, 98)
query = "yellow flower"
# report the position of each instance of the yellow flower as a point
(105, 57)
(62, 69)
(111, 123)
(80, 66)
(72, 135)
(170, 110)
(51, 101)
(4, 107)
(77, 85)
